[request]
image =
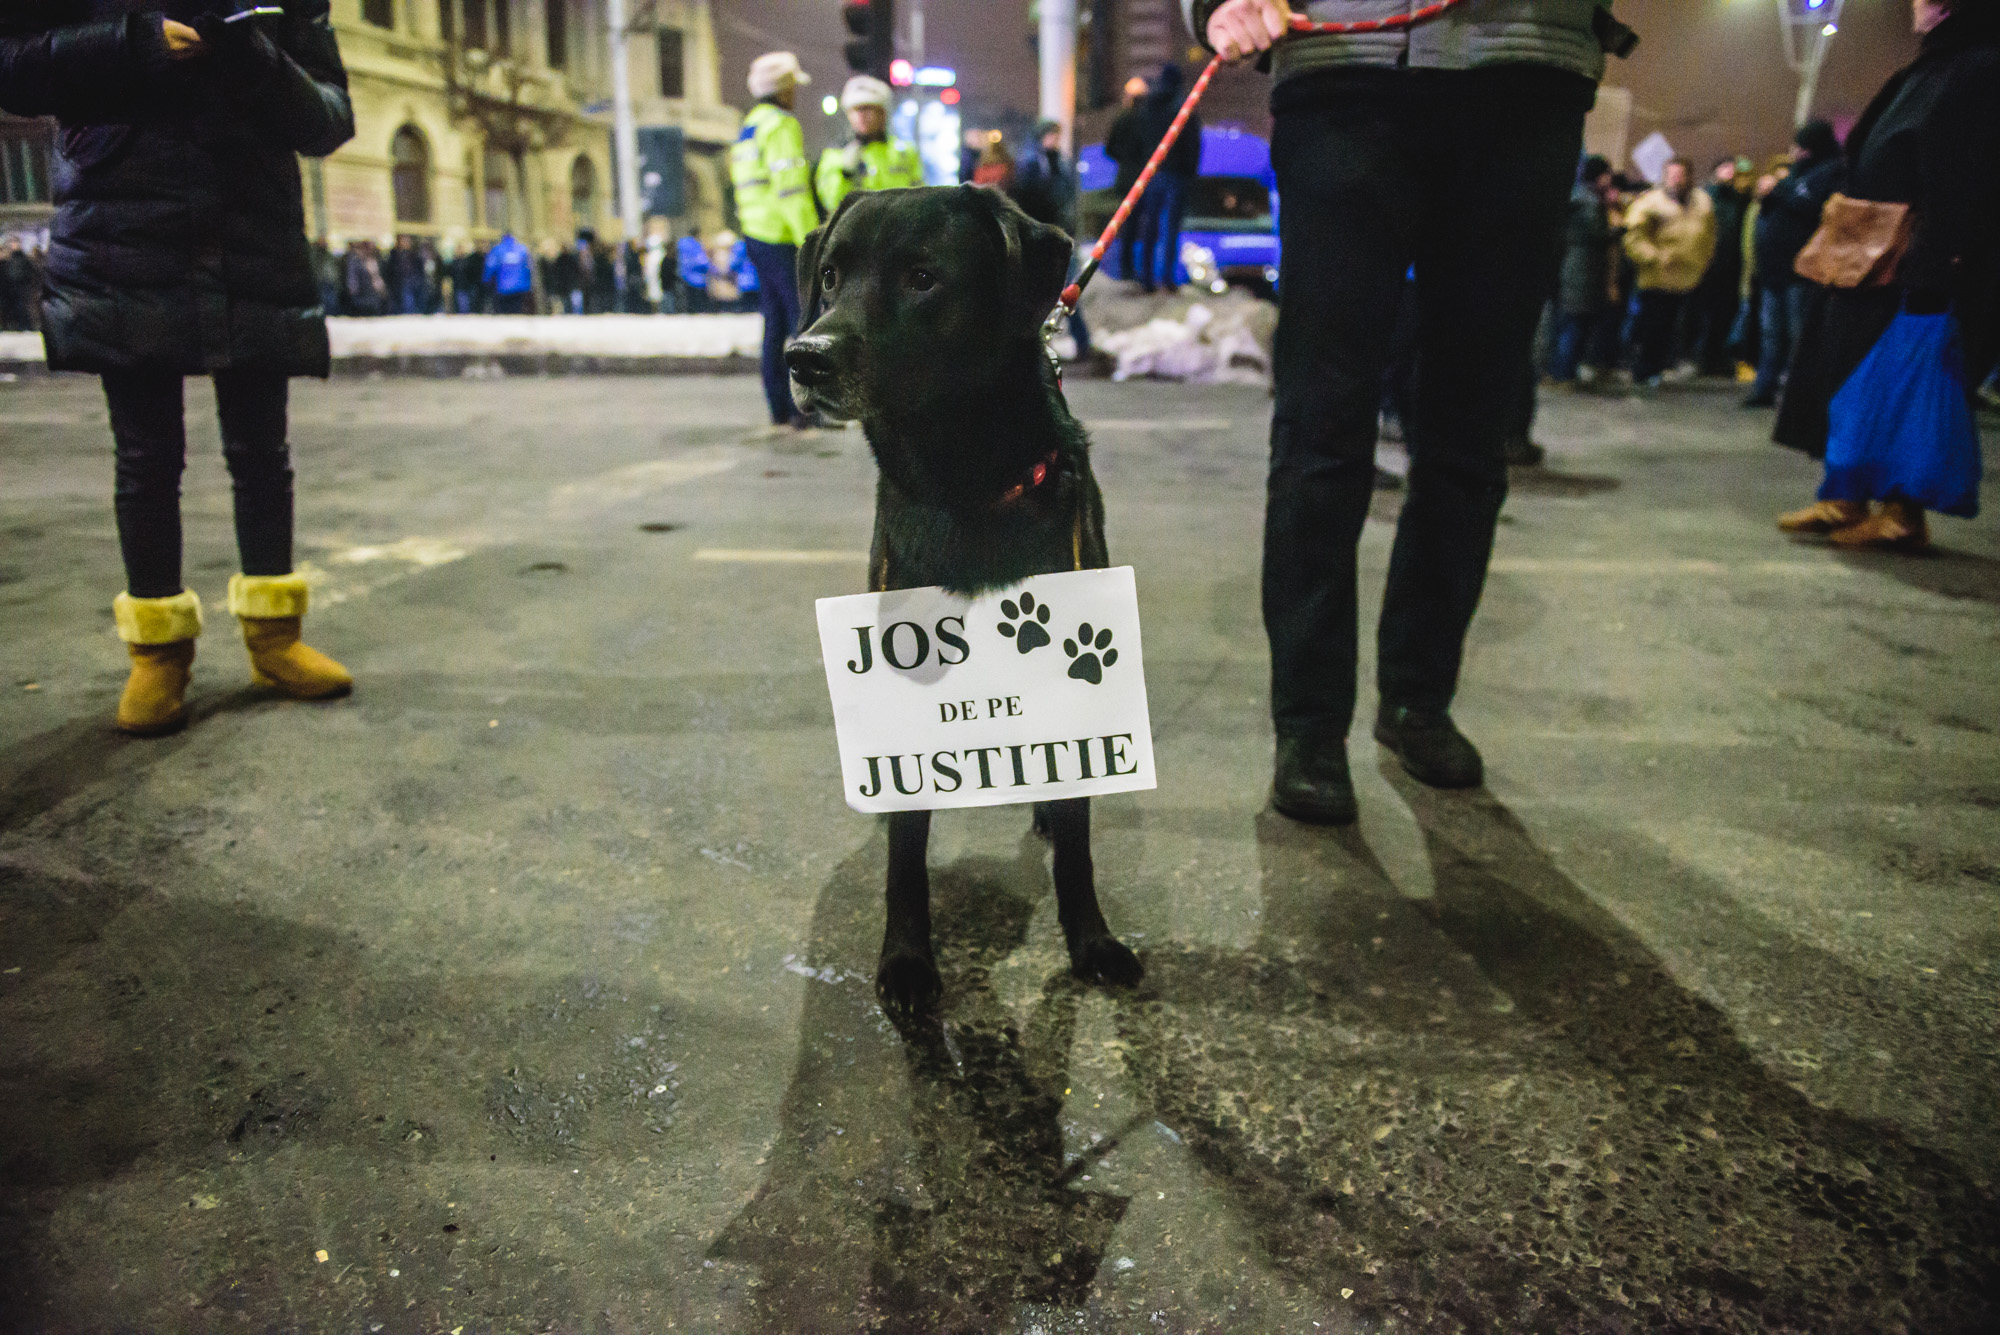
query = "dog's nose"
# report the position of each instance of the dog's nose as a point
(810, 360)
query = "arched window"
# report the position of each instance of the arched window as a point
(583, 193)
(410, 175)
(497, 194)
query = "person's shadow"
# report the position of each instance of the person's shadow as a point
(1493, 1109)
(938, 1152)
(1497, 1109)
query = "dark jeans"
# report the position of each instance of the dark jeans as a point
(1375, 174)
(1781, 321)
(1157, 222)
(149, 429)
(1578, 343)
(778, 298)
(1656, 332)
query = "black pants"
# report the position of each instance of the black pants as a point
(1377, 173)
(150, 432)
(778, 298)
(1656, 333)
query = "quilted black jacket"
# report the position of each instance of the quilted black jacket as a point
(179, 236)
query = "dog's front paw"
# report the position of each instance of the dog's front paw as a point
(908, 984)
(1105, 959)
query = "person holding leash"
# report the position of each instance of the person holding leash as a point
(178, 248)
(872, 160)
(1380, 138)
(774, 202)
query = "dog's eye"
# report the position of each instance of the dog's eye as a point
(922, 280)
(828, 279)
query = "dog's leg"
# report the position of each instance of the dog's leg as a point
(1095, 955)
(907, 978)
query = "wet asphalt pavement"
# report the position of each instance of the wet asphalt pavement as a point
(529, 988)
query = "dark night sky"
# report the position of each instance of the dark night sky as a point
(1710, 73)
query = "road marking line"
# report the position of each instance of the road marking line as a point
(1159, 424)
(778, 556)
(416, 551)
(632, 483)
(1535, 565)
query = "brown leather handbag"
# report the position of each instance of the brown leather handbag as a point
(1860, 242)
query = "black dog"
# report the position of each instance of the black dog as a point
(922, 319)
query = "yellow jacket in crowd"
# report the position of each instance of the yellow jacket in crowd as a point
(1670, 241)
(881, 164)
(773, 180)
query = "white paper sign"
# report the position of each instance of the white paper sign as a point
(1028, 695)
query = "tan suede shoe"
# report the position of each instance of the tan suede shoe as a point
(1823, 517)
(271, 609)
(1897, 527)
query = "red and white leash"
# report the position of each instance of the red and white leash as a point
(1300, 25)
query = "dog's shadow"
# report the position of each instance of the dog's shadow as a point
(938, 1151)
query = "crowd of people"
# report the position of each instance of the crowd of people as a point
(1665, 280)
(650, 276)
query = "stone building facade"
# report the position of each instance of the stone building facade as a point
(478, 117)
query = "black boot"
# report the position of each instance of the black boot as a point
(1431, 748)
(1312, 784)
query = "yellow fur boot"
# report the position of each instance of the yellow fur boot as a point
(159, 634)
(271, 608)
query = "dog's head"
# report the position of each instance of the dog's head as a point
(921, 305)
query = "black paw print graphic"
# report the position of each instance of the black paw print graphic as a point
(1029, 635)
(1092, 656)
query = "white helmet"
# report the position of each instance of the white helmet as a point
(774, 72)
(865, 90)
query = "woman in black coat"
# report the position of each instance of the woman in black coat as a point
(178, 248)
(1930, 139)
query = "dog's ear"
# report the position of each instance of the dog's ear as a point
(809, 253)
(1037, 258)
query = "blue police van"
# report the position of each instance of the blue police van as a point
(1229, 235)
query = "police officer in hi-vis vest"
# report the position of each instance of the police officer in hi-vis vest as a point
(774, 203)
(872, 160)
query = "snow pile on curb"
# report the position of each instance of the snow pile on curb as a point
(701, 336)
(609, 337)
(1206, 346)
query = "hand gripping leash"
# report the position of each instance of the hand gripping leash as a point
(1300, 25)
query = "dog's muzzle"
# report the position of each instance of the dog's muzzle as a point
(810, 360)
(816, 376)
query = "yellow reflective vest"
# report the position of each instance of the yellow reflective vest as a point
(773, 180)
(883, 164)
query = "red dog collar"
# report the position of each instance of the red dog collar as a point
(1037, 475)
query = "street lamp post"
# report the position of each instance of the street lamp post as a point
(1808, 27)
(624, 131)
(1057, 46)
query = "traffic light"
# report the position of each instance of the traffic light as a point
(871, 25)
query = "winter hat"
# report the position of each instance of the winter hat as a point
(864, 90)
(1817, 138)
(774, 72)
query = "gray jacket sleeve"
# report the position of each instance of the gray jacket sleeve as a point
(1560, 33)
